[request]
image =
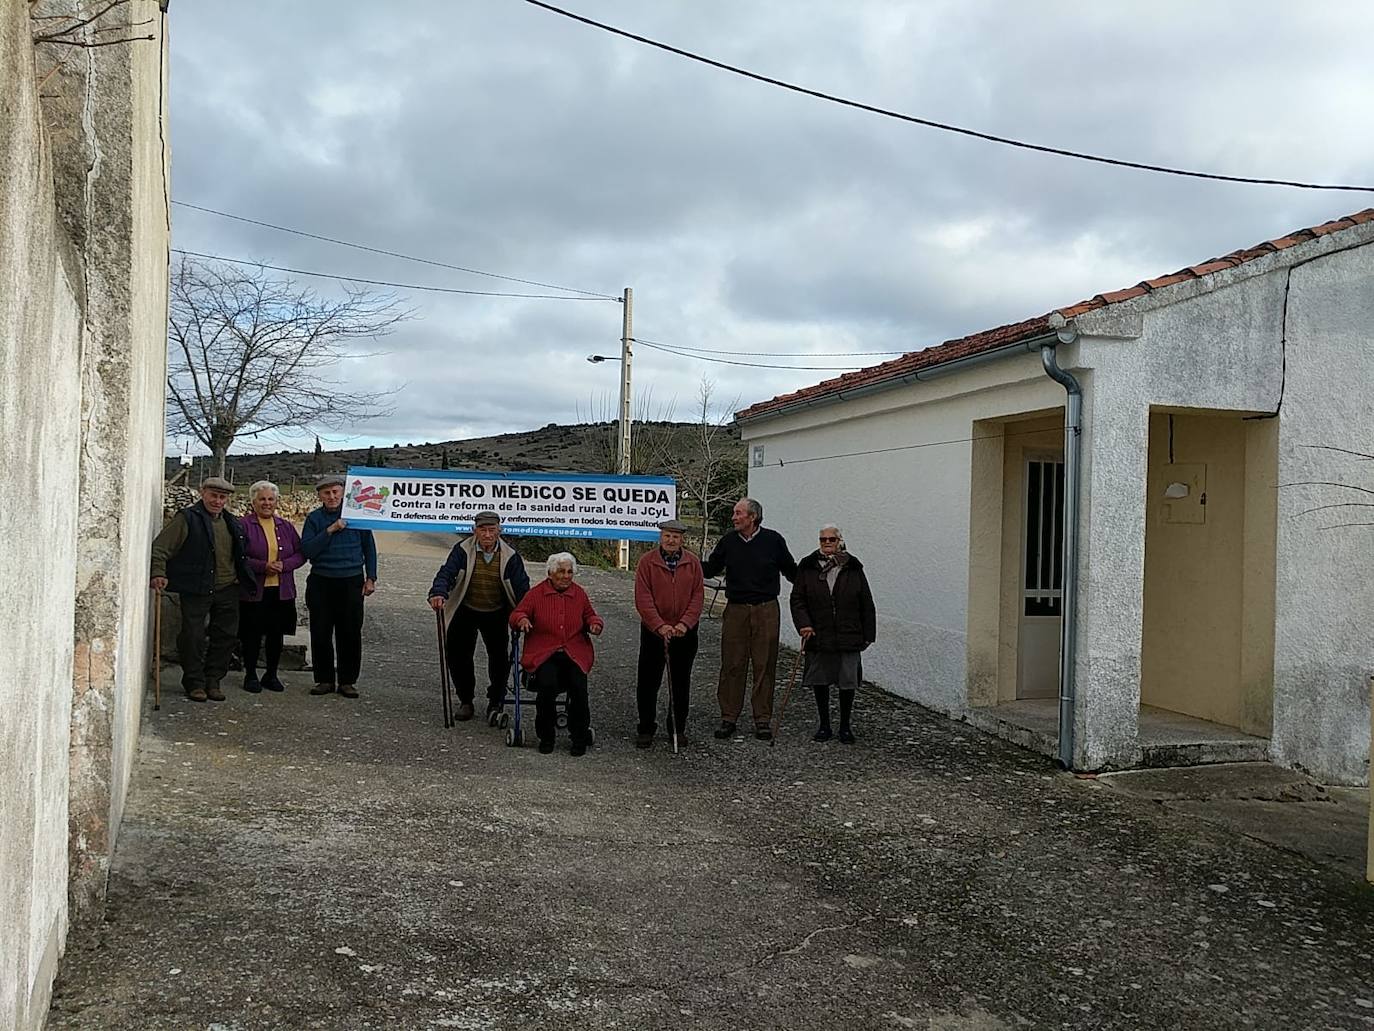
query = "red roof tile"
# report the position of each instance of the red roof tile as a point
(1018, 332)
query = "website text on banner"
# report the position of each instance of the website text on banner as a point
(535, 504)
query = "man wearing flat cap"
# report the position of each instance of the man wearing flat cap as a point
(669, 593)
(479, 584)
(343, 571)
(200, 555)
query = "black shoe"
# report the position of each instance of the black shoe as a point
(578, 748)
(322, 689)
(764, 734)
(643, 740)
(822, 734)
(251, 684)
(545, 745)
(727, 729)
(846, 736)
(272, 682)
(465, 711)
(348, 690)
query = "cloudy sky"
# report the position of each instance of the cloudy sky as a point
(751, 222)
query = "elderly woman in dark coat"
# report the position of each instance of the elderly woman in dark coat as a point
(267, 611)
(832, 609)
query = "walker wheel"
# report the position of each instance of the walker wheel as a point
(562, 721)
(492, 718)
(591, 738)
(519, 738)
(505, 720)
(510, 738)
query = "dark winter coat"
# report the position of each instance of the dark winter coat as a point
(845, 619)
(190, 568)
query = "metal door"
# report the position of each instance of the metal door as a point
(1042, 582)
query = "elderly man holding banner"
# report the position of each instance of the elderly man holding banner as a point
(477, 587)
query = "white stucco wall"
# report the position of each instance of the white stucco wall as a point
(83, 237)
(40, 390)
(1324, 644)
(904, 513)
(1214, 344)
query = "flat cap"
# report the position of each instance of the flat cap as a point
(217, 483)
(486, 519)
(332, 480)
(676, 525)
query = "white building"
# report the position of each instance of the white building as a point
(1221, 611)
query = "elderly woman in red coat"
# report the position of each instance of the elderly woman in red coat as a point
(559, 623)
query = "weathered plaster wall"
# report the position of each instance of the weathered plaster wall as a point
(1323, 647)
(40, 391)
(83, 237)
(119, 208)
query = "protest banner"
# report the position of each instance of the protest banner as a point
(534, 504)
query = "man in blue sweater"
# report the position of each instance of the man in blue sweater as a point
(754, 560)
(343, 571)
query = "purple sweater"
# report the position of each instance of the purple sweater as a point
(288, 554)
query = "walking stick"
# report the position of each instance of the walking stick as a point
(791, 683)
(672, 707)
(157, 649)
(445, 700)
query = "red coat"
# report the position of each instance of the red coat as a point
(561, 619)
(668, 597)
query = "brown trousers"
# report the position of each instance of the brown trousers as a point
(748, 637)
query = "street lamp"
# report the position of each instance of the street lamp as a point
(626, 361)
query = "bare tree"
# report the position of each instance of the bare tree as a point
(650, 429)
(249, 353)
(711, 468)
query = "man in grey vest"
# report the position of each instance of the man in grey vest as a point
(483, 579)
(199, 555)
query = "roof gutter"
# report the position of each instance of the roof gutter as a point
(1073, 475)
(1030, 346)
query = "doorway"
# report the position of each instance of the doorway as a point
(1040, 607)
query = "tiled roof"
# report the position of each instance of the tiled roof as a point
(992, 339)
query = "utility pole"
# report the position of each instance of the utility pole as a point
(626, 359)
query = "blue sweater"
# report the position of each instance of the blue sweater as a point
(339, 554)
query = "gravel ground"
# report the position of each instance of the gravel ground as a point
(297, 862)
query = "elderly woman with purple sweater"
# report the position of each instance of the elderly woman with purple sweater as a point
(267, 611)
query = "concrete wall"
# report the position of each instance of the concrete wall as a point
(1324, 648)
(40, 392)
(1222, 343)
(82, 312)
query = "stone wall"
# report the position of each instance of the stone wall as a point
(83, 257)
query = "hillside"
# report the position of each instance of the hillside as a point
(582, 447)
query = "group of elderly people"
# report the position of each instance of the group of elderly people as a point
(236, 579)
(483, 584)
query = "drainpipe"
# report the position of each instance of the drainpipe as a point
(1073, 474)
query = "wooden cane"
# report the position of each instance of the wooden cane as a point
(791, 683)
(672, 708)
(157, 649)
(444, 699)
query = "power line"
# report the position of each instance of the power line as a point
(942, 126)
(383, 282)
(752, 365)
(390, 254)
(769, 354)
